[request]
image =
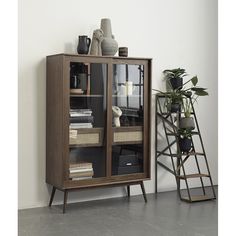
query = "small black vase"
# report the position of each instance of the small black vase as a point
(185, 144)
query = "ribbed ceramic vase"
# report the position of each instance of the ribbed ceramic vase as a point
(109, 44)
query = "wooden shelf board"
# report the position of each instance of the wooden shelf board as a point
(192, 176)
(85, 95)
(188, 154)
(198, 198)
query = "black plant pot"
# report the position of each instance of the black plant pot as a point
(175, 107)
(185, 144)
(176, 83)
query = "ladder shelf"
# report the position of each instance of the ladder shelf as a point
(178, 159)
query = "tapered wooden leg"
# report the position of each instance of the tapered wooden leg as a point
(65, 200)
(128, 190)
(52, 196)
(143, 190)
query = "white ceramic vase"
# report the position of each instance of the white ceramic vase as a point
(109, 44)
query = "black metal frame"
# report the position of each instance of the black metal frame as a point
(178, 159)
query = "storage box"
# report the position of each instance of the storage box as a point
(126, 164)
(87, 137)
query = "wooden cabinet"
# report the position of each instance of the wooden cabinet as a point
(82, 133)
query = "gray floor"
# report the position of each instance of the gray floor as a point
(163, 215)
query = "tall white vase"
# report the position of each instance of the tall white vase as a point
(109, 44)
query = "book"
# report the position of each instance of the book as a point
(81, 165)
(73, 133)
(83, 174)
(76, 91)
(75, 114)
(81, 125)
(82, 119)
(80, 170)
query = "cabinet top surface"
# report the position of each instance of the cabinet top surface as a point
(92, 56)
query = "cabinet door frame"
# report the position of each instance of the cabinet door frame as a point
(146, 121)
(66, 108)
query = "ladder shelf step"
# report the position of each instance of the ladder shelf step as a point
(191, 176)
(174, 134)
(188, 154)
(198, 198)
(181, 154)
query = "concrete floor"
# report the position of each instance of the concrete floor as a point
(163, 215)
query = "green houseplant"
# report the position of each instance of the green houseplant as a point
(193, 92)
(174, 78)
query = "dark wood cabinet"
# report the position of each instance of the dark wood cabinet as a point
(81, 128)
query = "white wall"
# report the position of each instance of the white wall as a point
(174, 33)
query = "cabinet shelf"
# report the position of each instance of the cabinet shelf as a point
(85, 95)
(125, 96)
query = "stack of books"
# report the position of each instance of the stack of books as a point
(81, 118)
(82, 170)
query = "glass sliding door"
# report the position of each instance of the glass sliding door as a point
(127, 116)
(88, 111)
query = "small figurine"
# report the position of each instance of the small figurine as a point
(116, 111)
(96, 48)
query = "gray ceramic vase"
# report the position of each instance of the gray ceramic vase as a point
(186, 123)
(109, 44)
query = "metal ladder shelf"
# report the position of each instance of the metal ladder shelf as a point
(179, 159)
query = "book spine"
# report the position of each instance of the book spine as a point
(80, 170)
(81, 166)
(82, 119)
(83, 174)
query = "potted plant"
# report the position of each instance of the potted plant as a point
(187, 122)
(178, 96)
(192, 93)
(173, 101)
(174, 78)
(185, 140)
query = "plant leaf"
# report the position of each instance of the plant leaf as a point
(194, 80)
(198, 89)
(201, 93)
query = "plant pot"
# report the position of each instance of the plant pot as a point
(186, 123)
(185, 144)
(174, 107)
(176, 83)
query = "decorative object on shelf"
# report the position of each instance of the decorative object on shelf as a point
(116, 111)
(123, 52)
(96, 47)
(76, 91)
(127, 88)
(74, 82)
(83, 44)
(82, 81)
(109, 44)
